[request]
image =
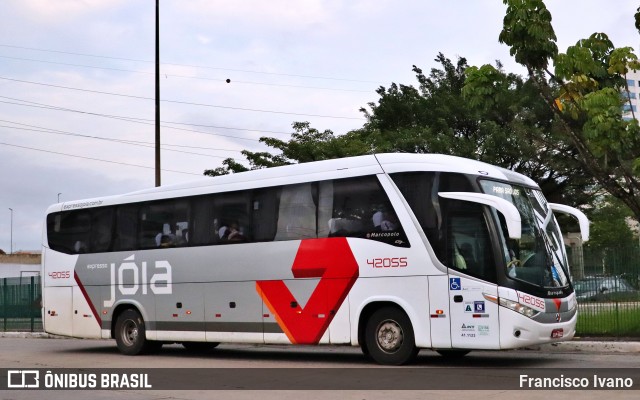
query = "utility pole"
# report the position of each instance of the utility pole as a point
(157, 93)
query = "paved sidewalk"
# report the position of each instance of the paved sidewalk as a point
(574, 346)
(587, 346)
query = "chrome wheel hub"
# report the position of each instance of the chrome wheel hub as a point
(389, 336)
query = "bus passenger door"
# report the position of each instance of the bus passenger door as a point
(474, 319)
(472, 278)
(439, 312)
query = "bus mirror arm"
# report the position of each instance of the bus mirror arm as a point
(508, 210)
(579, 215)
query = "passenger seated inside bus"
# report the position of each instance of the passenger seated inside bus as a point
(185, 235)
(167, 241)
(339, 227)
(377, 217)
(231, 233)
(167, 238)
(383, 220)
(467, 253)
(80, 247)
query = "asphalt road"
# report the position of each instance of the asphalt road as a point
(320, 366)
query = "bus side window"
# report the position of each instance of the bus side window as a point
(68, 231)
(101, 229)
(297, 213)
(126, 228)
(264, 214)
(151, 226)
(164, 224)
(360, 208)
(180, 222)
(351, 216)
(202, 230)
(231, 215)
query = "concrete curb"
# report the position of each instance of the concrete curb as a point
(29, 335)
(591, 347)
(575, 346)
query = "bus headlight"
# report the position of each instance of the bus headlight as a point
(520, 308)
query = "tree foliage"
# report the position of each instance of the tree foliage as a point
(610, 228)
(586, 92)
(509, 125)
(306, 144)
(502, 121)
(527, 30)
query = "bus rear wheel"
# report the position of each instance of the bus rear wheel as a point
(389, 337)
(130, 333)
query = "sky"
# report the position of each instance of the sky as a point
(77, 81)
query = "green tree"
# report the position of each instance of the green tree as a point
(609, 225)
(306, 144)
(584, 93)
(515, 130)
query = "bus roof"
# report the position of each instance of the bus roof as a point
(304, 172)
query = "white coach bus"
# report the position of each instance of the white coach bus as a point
(390, 252)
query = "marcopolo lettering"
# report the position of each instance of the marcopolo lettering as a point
(130, 279)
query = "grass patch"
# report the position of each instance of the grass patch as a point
(608, 322)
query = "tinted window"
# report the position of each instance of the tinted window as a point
(81, 231)
(68, 231)
(359, 207)
(355, 207)
(297, 210)
(101, 230)
(231, 217)
(164, 224)
(264, 214)
(420, 189)
(468, 243)
(457, 231)
(203, 229)
(126, 232)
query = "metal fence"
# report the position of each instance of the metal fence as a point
(607, 284)
(20, 304)
(608, 291)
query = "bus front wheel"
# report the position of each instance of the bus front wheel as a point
(130, 333)
(389, 337)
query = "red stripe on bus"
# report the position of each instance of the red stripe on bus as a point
(86, 297)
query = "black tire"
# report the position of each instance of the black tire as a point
(199, 347)
(389, 337)
(365, 349)
(453, 353)
(130, 334)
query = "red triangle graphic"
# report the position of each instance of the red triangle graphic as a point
(558, 303)
(333, 262)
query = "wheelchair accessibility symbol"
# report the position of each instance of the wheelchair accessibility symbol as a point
(454, 284)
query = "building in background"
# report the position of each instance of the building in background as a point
(630, 107)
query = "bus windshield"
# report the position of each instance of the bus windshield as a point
(538, 257)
